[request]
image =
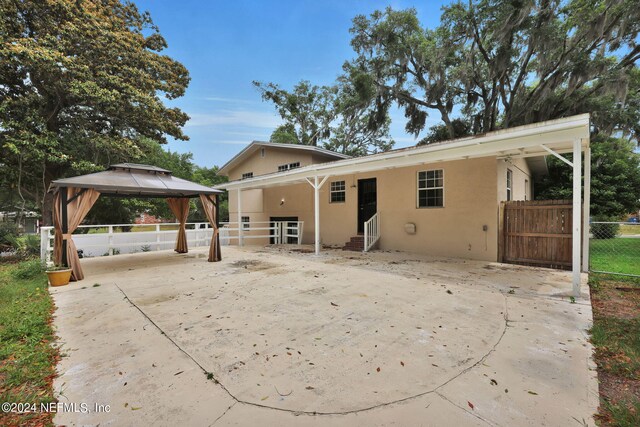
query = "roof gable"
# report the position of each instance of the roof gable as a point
(255, 145)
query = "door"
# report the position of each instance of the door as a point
(367, 201)
(289, 228)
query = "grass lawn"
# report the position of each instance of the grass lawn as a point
(618, 255)
(27, 359)
(616, 337)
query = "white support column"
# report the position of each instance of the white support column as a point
(316, 207)
(586, 200)
(240, 239)
(577, 214)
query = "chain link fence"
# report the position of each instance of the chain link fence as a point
(615, 248)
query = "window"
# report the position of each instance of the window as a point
(247, 175)
(526, 189)
(288, 166)
(431, 189)
(262, 154)
(245, 222)
(337, 192)
(509, 184)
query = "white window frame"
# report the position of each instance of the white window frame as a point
(262, 152)
(288, 166)
(333, 191)
(245, 222)
(418, 189)
(247, 175)
(509, 185)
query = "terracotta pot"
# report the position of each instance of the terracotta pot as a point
(59, 277)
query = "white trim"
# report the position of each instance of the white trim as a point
(428, 188)
(509, 184)
(586, 206)
(558, 134)
(332, 191)
(553, 153)
(577, 215)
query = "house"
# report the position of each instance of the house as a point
(441, 199)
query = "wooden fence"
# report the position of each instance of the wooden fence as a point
(536, 233)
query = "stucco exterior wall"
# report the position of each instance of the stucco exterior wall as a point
(455, 230)
(273, 157)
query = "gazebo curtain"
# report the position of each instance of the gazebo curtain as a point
(210, 205)
(180, 208)
(79, 203)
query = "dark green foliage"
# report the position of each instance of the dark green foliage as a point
(615, 182)
(606, 229)
(341, 118)
(80, 87)
(8, 232)
(500, 63)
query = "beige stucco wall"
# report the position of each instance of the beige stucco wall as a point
(273, 157)
(454, 230)
(472, 191)
(521, 179)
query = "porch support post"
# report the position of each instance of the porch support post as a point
(316, 207)
(240, 239)
(577, 214)
(64, 218)
(586, 200)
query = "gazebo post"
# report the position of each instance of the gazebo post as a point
(64, 225)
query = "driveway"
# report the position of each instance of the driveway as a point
(344, 338)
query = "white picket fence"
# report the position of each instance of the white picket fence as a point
(103, 240)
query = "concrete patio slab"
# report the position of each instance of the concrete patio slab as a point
(340, 339)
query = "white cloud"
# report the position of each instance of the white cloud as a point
(242, 118)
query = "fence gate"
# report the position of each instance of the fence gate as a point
(536, 233)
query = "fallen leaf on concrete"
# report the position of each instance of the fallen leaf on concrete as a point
(178, 373)
(126, 404)
(334, 304)
(265, 398)
(494, 382)
(309, 387)
(288, 353)
(449, 292)
(402, 363)
(135, 408)
(378, 369)
(470, 404)
(532, 392)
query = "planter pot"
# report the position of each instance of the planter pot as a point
(59, 277)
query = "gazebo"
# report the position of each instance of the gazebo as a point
(74, 197)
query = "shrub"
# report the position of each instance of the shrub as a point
(8, 232)
(28, 269)
(606, 230)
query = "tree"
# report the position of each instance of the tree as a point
(615, 183)
(501, 63)
(306, 110)
(80, 87)
(340, 118)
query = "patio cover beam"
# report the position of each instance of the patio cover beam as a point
(577, 215)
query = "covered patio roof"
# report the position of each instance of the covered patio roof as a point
(135, 180)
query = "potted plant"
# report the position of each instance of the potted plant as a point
(59, 275)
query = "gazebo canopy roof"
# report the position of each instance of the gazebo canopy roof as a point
(134, 180)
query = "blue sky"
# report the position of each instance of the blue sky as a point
(226, 45)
